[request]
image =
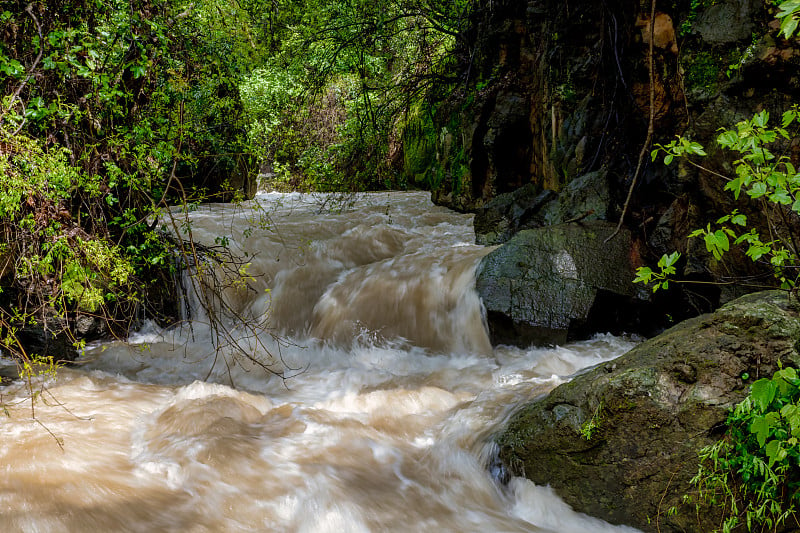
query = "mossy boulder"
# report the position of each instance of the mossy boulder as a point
(620, 441)
(551, 284)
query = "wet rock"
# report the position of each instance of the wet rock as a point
(727, 22)
(89, 327)
(549, 284)
(586, 198)
(51, 339)
(653, 409)
(511, 212)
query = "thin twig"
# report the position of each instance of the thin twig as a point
(661, 501)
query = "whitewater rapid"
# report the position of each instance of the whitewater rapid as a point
(377, 415)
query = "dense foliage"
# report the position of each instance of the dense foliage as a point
(343, 79)
(752, 473)
(111, 111)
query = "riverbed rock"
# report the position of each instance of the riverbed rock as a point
(583, 199)
(50, 338)
(653, 409)
(550, 284)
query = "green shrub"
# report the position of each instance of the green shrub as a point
(753, 473)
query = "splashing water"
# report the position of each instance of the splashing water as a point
(386, 424)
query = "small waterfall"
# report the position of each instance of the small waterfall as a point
(372, 409)
(387, 273)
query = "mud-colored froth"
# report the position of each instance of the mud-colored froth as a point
(386, 427)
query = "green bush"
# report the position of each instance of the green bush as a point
(753, 474)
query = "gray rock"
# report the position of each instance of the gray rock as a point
(585, 198)
(508, 213)
(548, 284)
(90, 327)
(655, 408)
(727, 22)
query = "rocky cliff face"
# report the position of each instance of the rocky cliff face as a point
(538, 102)
(558, 91)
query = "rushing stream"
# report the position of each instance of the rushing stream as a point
(383, 424)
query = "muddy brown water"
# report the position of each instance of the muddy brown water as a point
(385, 426)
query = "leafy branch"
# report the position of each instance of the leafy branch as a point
(769, 179)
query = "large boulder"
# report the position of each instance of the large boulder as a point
(652, 410)
(551, 284)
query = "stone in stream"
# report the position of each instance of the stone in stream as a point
(652, 409)
(550, 284)
(586, 198)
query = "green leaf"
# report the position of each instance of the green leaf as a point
(643, 275)
(721, 239)
(728, 139)
(696, 148)
(735, 185)
(786, 374)
(791, 413)
(758, 190)
(761, 119)
(788, 118)
(774, 451)
(788, 27)
(767, 136)
(668, 260)
(138, 71)
(668, 159)
(763, 392)
(739, 220)
(780, 197)
(776, 179)
(761, 427)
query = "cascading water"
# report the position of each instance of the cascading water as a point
(385, 424)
